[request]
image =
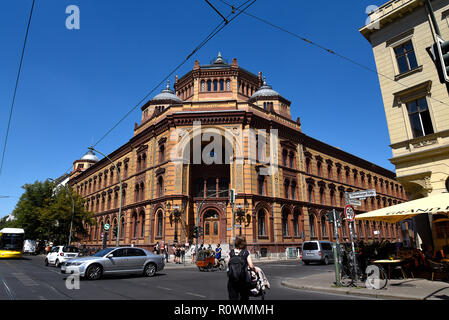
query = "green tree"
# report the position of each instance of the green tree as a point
(59, 215)
(30, 208)
(45, 212)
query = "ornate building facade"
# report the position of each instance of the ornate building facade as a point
(415, 94)
(224, 128)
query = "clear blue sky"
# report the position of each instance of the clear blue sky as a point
(76, 84)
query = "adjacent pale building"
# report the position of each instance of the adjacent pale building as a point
(403, 34)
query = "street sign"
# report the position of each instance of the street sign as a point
(106, 226)
(354, 202)
(349, 213)
(362, 194)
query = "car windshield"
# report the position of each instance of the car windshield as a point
(103, 252)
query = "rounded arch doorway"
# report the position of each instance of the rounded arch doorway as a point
(211, 227)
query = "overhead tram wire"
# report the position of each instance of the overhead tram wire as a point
(17, 84)
(212, 34)
(325, 49)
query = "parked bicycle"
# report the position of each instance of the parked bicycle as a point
(374, 276)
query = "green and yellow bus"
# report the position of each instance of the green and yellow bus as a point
(11, 242)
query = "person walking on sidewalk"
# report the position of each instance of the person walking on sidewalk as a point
(238, 260)
(192, 253)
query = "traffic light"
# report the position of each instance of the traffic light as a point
(200, 231)
(114, 231)
(443, 56)
(195, 231)
(232, 196)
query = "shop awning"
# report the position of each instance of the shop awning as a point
(433, 204)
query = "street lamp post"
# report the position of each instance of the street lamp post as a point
(119, 222)
(73, 210)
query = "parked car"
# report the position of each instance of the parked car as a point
(317, 251)
(60, 254)
(29, 246)
(117, 260)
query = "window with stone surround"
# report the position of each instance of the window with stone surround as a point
(261, 223)
(419, 116)
(405, 57)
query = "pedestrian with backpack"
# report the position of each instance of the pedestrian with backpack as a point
(239, 260)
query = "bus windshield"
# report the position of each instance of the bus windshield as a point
(11, 241)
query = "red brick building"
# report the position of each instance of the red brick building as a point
(285, 180)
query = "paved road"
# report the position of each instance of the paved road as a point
(28, 278)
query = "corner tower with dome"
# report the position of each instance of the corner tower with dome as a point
(170, 185)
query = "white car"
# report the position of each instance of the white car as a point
(60, 254)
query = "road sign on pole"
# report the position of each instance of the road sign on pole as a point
(349, 213)
(354, 202)
(362, 194)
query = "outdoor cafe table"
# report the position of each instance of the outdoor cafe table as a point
(389, 263)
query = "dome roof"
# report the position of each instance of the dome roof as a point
(90, 156)
(167, 95)
(264, 91)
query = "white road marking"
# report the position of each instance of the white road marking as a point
(195, 294)
(25, 280)
(164, 288)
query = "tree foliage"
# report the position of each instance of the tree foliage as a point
(45, 212)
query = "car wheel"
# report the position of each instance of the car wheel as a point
(46, 262)
(150, 270)
(57, 264)
(94, 272)
(326, 260)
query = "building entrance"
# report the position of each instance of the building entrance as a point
(211, 227)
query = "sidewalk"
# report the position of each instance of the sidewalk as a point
(410, 289)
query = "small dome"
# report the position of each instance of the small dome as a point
(264, 91)
(167, 95)
(90, 156)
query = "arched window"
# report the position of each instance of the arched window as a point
(159, 224)
(142, 224)
(215, 85)
(261, 184)
(221, 85)
(284, 157)
(285, 215)
(160, 187)
(296, 230)
(312, 225)
(293, 190)
(209, 85)
(310, 193)
(161, 153)
(286, 187)
(113, 226)
(261, 227)
(323, 226)
(308, 165)
(135, 223)
(122, 228)
(322, 199)
(228, 85)
(203, 85)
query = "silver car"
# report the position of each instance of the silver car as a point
(118, 260)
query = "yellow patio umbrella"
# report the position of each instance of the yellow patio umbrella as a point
(433, 204)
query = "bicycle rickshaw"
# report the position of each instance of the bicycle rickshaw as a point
(206, 261)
